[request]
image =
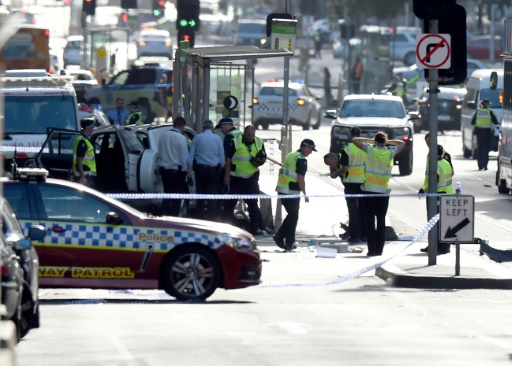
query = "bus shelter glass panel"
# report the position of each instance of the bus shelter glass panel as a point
(226, 80)
(374, 51)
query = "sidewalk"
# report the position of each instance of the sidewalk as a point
(407, 266)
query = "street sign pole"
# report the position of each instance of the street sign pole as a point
(432, 157)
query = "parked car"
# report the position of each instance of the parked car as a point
(86, 111)
(303, 107)
(479, 47)
(449, 105)
(409, 72)
(139, 83)
(154, 43)
(125, 248)
(373, 113)
(19, 271)
(82, 80)
(73, 50)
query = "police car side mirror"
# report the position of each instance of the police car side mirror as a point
(114, 219)
(36, 232)
(493, 81)
(23, 244)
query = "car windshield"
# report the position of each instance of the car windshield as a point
(33, 114)
(251, 28)
(372, 108)
(493, 96)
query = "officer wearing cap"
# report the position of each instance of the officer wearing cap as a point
(292, 181)
(84, 159)
(135, 116)
(483, 119)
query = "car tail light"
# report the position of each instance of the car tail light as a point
(168, 44)
(255, 101)
(3, 270)
(424, 104)
(301, 102)
(142, 43)
(458, 106)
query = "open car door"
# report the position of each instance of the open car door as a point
(56, 154)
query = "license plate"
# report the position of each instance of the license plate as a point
(444, 118)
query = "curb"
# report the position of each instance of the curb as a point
(398, 278)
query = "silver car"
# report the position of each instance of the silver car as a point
(154, 43)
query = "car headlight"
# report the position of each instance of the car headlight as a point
(241, 244)
(340, 132)
(401, 134)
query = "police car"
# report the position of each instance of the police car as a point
(94, 241)
(139, 83)
(303, 107)
(34, 102)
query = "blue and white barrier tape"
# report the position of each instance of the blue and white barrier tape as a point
(152, 196)
(357, 273)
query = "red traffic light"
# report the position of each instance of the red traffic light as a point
(124, 18)
(161, 3)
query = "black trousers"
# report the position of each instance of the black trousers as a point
(173, 181)
(483, 141)
(289, 225)
(207, 182)
(242, 186)
(356, 217)
(375, 209)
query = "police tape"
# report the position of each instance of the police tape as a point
(153, 196)
(430, 224)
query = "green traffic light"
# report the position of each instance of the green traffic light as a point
(183, 22)
(192, 23)
(156, 12)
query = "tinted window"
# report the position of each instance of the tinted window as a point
(251, 28)
(63, 203)
(142, 76)
(17, 196)
(34, 114)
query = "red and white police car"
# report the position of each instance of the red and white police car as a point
(94, 241)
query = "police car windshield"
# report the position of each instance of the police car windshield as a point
(33, 115)
(493, 96)
(372, 108)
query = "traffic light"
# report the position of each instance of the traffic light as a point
(158, 8)
(455, 26)
(188, 15)
(187, 35)
(129, 4)
(89, 7)
(433, 9)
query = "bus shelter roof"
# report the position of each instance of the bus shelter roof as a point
(207, 55)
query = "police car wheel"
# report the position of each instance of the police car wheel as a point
(191, 273)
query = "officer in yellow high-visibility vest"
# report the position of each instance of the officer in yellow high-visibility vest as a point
(84, 159)
(135, 116)
(377, 173)
(292, 181)
(483, 120)
(444, 185)
(349, 166)
(243, 159)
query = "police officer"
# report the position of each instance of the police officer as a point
(229, 131)
(483, 120)
(376, 181)
(292, 181)
(135, 116)
(117, 116)
(243, 159)
(349, 166)
(84, 159)
(445, 186)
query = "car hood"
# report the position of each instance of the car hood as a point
(371, 122)
(197, 225)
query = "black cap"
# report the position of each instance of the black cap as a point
(133, 105)
(440, 150)
(485, 101)
(309, 143)
(87, 122)
(224, 121)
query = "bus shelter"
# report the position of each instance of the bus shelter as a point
(217, 82)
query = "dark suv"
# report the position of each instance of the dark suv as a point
(374, 113)
(139, 83)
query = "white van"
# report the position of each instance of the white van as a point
(478, 88)
(33, 104)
